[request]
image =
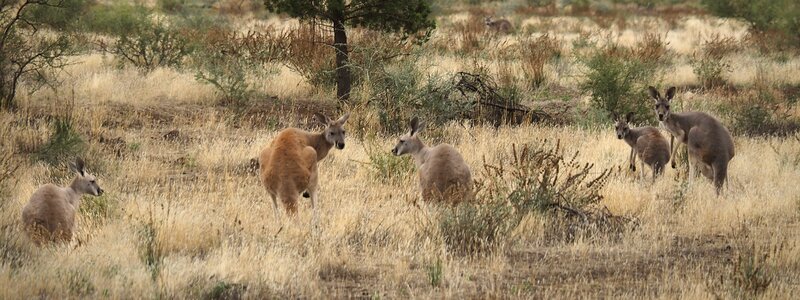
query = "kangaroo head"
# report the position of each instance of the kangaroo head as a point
(410, 143)
(334, 130)
(662, 103)
(622, 126)
(488, 21)
(84, 183)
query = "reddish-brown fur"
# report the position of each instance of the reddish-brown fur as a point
(289, 161)
(289, 164)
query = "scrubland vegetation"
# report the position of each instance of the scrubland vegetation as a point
(170, 101)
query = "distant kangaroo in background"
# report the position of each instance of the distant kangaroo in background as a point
(709, 144)
(501, 26)
(647, 143)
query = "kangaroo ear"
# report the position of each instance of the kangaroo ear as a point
(670, 93)
(416, 126)
(629, 117)
(77, 166)
(343, 119)
(654, 93)
(614, 116)
(322, 118)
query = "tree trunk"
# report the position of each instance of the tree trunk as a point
(343, 80)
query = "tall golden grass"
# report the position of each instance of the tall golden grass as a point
(184, 218)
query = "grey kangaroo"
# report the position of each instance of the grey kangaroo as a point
(709, 144)
(646, 142)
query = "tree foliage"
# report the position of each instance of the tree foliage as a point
(763, 15)
(407, 17)
(27, 53)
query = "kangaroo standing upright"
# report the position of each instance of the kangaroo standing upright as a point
(289, 164)
(646, 142)
(709, 144)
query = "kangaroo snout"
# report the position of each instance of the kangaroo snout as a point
(99, 192)
(394, 150)
(340, 146)
(661, 117)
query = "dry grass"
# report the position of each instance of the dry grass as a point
(187, 220)
(214, 224)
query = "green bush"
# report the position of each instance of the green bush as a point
(385, 166)
(394, 96)
(117, 19)
(617, 82)
(64, 144)
(28, 54)
(99, 207)
(62, 15)
(775, 20)
(151, 44)
(711, 62)
(539, 178)
(435, 271)
(762, 111)
(171, 6)
(230, 61)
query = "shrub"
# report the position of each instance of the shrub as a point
(538, 178)
(310, 56)
(98, 208)
(750, 276)
(64, 144)
(652, 49)
(228, 60)
(149, 45)
(535, 54)
(401, 91)
(27, 53)
(394, 95)
(435, 271)
(765, 16)
(171, 6)
(709, 65)
(386, 167)
(469, 35)
(117, 19)
(64, 15)
(763, 110)
(150, 250)
(617, 81)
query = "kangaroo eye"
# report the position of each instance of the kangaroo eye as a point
(667, 106)
(93, 181)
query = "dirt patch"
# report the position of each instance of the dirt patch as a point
(621, 272)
